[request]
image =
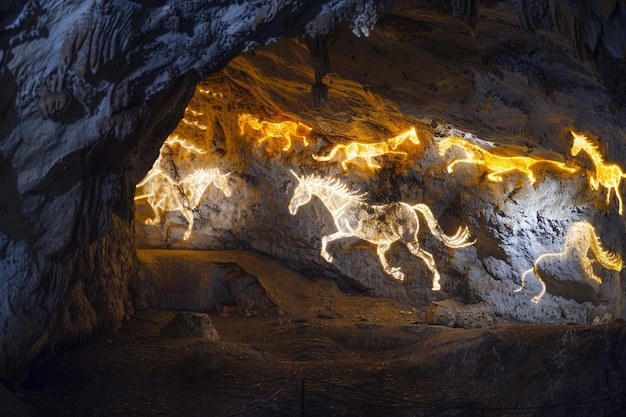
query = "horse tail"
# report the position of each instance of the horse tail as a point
(609, 260)
(459, 240)
(330, 155)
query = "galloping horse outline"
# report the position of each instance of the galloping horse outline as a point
(165, 194)
(284, 130)
(580, 237)
(607, 175)
(378, 224)
(499, 164)
(368, 151)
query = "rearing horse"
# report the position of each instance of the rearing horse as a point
(607, 175)
(580, 238)
(378, 224)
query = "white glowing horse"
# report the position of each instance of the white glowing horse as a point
(580, 238)
(378, 224)
(164, 194)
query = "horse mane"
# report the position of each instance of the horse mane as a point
(335, 185)
(588, 145)
(609, 260)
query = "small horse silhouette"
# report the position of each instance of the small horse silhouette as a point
(580, 238)
(378, 224)
(607, 175)
(164, 194)
(368, 151)
(499, 164)
(285, 130)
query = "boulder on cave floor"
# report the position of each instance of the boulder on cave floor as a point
(189, 325)
(452, 314)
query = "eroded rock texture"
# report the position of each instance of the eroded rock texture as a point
(84, 85)
(90, 89)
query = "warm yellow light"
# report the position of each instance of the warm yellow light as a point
(380, 225)
(607, 175)
(499, 164)
(368, 151)
(166, 192)
(580, 238)
(176, 140)
(194, 123)
(283, 130)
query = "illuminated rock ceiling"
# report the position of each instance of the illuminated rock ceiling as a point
(92, 90)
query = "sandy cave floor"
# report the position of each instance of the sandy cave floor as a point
(354, 355)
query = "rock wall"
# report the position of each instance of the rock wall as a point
(536, 219)
(85, 85)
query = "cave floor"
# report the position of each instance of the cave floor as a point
(349, 361)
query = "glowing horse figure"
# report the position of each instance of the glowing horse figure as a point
(580, 238)
(607, 175)
(378, 224)
(499, 164)
(368, 151)
(164, 194)
(285, 130)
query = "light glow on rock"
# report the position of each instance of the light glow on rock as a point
(285, 131)
(607, 175)
(579, 240)
(368, 151)
(380, 225)
(165, 191)
(498, 164)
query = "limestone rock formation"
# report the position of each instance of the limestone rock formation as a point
(452, 314)
(85, 86)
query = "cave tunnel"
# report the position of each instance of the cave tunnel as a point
(331, 208)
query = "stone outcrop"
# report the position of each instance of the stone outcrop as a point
(452, 314)
(189, 324)
(91, 89)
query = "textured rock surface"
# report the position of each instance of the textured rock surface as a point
(85, 83)
(91, 89)
(514, 221)
(189, 324)
(452, 314)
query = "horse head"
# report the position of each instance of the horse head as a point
(301, 195)
(580, 141)
(221, 182)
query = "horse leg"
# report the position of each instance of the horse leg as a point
(394, 272)
(460, 161)
(330, 238)
(429, 260)
(188, 213)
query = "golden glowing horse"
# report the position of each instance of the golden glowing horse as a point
(285, 130)
(580, 238)
(164, 194)
(499, 164)
(368, 151)
(378, 224)
(607, 175)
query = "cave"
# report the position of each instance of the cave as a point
(329, 208)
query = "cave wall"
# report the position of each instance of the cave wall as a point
(85, 84)
(511, 97)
